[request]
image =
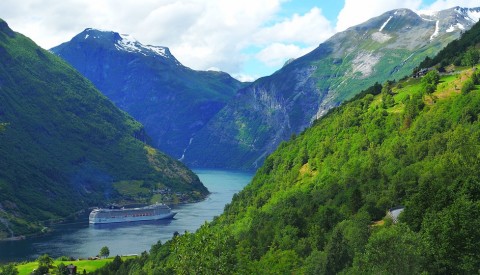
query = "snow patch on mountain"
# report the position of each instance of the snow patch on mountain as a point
(470, 14)
(474, 15)
(157, 49)
(456, 26)
(437, 30)
(385, 24)
(130, 44)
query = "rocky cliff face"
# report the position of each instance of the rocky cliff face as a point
(273, 108)
(148, 82)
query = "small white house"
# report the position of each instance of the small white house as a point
(395, 212)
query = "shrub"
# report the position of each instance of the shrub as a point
(468, 86)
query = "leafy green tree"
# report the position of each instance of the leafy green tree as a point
(9, 269)
(476, 78)
(468, 86)
(278, 262)
(338, 253)
(471, 57)
(45, 260)
(104, 252)
(430, 81)
(41, 270)
(315, 263)
(62, 269)
(452, 238)
(387, 96)
(392, 250)
(355, 200)
(116, 263)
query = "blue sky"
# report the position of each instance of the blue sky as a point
(248, 38)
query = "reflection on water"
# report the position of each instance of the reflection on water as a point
(81, 240)
(113, 226)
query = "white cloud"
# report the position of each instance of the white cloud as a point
(277, 54)
(311, 28)
(356, 12)
(200, 33)
(446, 4)
(245, 77)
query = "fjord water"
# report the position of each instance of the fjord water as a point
(81, 240)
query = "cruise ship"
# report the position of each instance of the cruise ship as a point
(152, 212)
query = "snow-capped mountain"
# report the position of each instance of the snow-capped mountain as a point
(148, 82)
(456, 19)
(271, 109)
(121, 42)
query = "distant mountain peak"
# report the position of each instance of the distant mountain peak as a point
(460, 13)
(124, 42)
(4, 28)
(450, 20)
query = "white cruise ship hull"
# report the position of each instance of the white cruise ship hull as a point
(131, 219)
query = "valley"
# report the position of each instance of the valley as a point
(361, 154)
(78, 239)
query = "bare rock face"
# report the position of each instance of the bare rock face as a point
(273, 108)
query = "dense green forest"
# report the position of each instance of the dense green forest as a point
(65, 147)
(318, 204)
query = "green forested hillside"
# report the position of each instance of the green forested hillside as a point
(64, 146)
(318, 204)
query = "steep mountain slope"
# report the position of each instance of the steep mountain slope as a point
(318, 204)
(64, 146)
(171, 100)
(273, 108)
(450, 54)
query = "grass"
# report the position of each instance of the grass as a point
(131, 188)
(88, 265)
(449, 86)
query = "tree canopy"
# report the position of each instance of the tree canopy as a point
(104, 252)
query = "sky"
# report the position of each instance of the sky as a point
(247, 38)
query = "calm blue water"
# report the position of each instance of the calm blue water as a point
(81, 240)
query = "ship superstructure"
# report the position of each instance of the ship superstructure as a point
(147, 213)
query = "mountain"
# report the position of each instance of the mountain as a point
(172, 101)
(64, 146)
(321, 203)
(450, 54)
(273, 108)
